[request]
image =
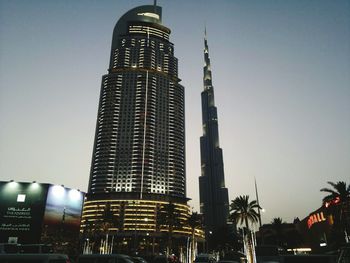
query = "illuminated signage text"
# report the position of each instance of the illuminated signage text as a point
(315, 218)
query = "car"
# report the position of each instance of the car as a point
(34, 258)
(8, 248)
(107, 258)
(35, 248)
(205, 258)
(233, 256)
(139, 260)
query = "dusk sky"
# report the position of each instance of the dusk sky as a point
(281, 75)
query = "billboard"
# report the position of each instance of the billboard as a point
(62, 215)
(22, 207)
(39, 213)
(63, 207)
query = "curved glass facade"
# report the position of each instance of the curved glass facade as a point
(138, 162)
(136, 215)
(140, 131)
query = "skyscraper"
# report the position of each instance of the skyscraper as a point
(138, 161)
(140, 131)
(213, 194)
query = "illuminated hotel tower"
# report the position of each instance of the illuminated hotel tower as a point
(213, 194)
(140, 132)
(138, 161)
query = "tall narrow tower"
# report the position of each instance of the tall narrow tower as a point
(213, 193)
(138, 160)
(140, 132)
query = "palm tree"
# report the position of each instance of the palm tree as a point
(339, 194)
(108, 220)
(277, 225)
(277, 221)
(95, 231)
(169, 217)
(340, 191)
(242, 211)
(194, 222)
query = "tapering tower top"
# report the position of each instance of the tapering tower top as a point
(213, 193)
(207, 79)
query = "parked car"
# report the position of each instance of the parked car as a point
(35, 248)
(228, 261)
(110, 258)
(139, 260)
(34, 258)
(205, 258)
(234, 256)
(8, 248)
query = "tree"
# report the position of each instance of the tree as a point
(277, 226)
(108, 218)
(169, 217)
(244, 211)
(340, 191)
(338, 200)
(194, 221)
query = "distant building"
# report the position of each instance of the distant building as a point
(323, 229)
(214, 202)
(138, 162)
(284, 235)
(32, 213)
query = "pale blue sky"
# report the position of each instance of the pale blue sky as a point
(280, 74)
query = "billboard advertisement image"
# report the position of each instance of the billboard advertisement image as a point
(63, 207)
(62, 216)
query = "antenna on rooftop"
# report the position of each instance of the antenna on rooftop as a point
(154, 5)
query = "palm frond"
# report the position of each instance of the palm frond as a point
(327, 190)
(341, 190)
(331, 183)
(241, 210)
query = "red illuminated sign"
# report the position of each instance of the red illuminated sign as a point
(315, 218)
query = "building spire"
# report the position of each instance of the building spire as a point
(257, 200)
(213, 193)
(207, 80)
